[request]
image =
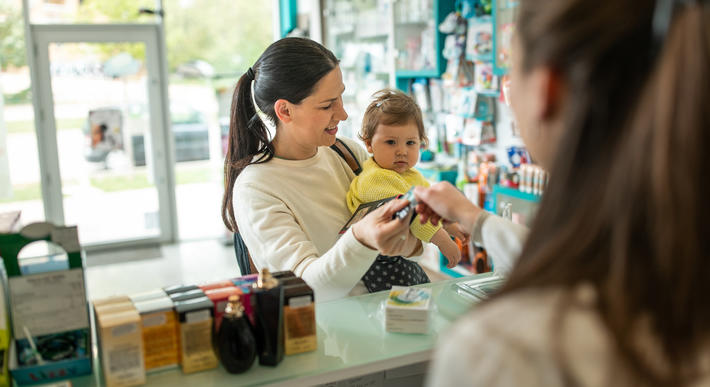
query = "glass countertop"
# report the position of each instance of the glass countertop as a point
(351, 341)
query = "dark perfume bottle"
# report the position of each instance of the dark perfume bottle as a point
(267, 299)
(235, 340)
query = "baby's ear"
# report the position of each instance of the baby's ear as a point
(368, 145)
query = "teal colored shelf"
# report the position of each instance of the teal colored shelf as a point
(515, 193)
(430, 73)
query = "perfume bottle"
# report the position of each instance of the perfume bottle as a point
(267, 299)
(235, 341)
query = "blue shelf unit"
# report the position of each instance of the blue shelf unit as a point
(404, 78)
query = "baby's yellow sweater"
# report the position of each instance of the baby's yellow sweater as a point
(375, 183)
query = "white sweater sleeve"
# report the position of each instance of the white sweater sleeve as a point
(275, 240)
(502, 239)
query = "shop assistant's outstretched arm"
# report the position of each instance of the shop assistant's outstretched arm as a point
(502, 238)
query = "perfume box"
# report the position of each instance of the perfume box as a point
(161, 345)
(120, 345)
(195, 326)
(299, 314)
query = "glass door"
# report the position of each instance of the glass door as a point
(102, 132)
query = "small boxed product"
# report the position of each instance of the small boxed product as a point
(407, 310)
(299, 317)
(186, 295)
(195, 319)
(48, 308)
(215, 285)
(120, 345)
(178, 288)
(161, 345)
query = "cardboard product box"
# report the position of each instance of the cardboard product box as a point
(299, 317)
(148, 295)
(121, 347)
(48, 309)
(246, 280)
(186, 295)
(161, 345)
(215, 285)
(219, 299)
(407, 310)
(178, 288)
(195, 321)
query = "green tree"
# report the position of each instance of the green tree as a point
(12, 37)
(228, 34)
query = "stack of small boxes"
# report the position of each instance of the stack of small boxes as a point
(407, 310)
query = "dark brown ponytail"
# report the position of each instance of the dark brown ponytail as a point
(288, 69)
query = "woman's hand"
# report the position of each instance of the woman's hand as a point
(378, 231)
(443, 202)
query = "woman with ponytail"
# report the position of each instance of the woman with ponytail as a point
(612, 285)
(285, 188)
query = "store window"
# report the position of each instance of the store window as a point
(91, 11)
(20, 188)
(210, 44)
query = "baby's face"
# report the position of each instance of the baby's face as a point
(395, 147)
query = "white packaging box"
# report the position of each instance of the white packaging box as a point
(407, 310)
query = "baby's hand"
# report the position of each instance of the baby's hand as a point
(452, 253)
(455, 230)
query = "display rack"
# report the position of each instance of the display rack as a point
(413, 21)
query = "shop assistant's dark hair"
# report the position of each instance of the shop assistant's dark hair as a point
(391, 107)
(289, 69)
(627, 206)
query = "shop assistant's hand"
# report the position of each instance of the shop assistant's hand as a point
(378, 231)
(442, 201)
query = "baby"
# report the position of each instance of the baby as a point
(393, 132)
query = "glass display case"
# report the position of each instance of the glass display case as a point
(358, 34)
(504, 12)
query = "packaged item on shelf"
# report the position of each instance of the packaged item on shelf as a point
(407, 310)
(486, 81)
(147, 295)
(479, 42)
(182, 296)
(48, 309)
(236, 344)
(215, 285)
(268, 299)
(195, 322)
(120, 344)
(299, 318)
(179, 289)
(160, 333)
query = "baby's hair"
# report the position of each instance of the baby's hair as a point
(391, 107)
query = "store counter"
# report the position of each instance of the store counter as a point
(352, 342)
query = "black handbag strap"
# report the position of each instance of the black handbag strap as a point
(347, 154)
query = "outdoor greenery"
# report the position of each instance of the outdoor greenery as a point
(28, 126)
(228, 34)
(12, 37)
(24, 192)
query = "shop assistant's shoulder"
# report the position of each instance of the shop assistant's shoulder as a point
(521, 331)
(357, 149)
